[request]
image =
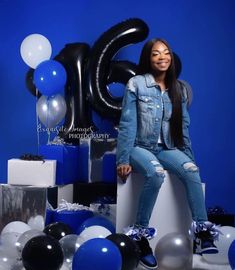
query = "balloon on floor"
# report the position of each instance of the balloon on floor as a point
(98, 254)
(174, 252)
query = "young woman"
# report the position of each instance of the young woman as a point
(153, 136)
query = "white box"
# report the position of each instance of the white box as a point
(171, 212)
(31, 172)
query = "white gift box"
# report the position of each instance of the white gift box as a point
(31, 172)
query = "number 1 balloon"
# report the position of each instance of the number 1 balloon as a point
(73, 57)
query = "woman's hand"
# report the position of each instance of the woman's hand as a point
(123, 170)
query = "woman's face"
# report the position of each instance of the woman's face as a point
(160, 57)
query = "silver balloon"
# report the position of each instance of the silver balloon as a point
(51, 110)
(174, 252)
(25, 237)
(70, 243)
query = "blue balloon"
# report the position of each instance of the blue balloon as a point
(100, 221)
(50, 77)
(98, 254)
(231, 255)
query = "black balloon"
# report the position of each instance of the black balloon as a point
(189, 91)
(42, 253)
(73, 57)
(125, 33)
(128, 249)
(121, 71)
(30, 85)
(178, 64)
(57, 230)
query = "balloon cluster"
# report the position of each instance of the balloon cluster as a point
(95, 245)
(47, 76)
(89, 72)
(56, 246)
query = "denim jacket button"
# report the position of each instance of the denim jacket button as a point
(158, 106)
(157, 119)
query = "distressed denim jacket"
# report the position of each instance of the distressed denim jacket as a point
(145, 112)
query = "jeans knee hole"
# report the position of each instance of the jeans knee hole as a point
(190, 167)
(159, 169)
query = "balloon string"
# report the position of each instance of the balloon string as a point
(48, 130)
(37, 122)
(48, 137)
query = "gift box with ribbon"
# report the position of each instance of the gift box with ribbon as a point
(31, 170)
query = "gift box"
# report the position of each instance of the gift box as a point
(87, 193)
(21, 203)
(72, 218)
(72, 162)
(31, 172)
(218, 215)
(56, 194)
(222, 219)
(109, 173)
(103, 160)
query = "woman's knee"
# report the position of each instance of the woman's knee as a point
(155, 176)
(191, 172)
(190, 167)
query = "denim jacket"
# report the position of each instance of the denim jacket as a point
(143, 118)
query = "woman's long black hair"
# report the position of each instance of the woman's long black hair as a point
(174, 90)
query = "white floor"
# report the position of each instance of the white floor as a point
(200, 264)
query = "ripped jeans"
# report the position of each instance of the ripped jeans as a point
(151, 165)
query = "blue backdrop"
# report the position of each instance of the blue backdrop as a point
(200, 32)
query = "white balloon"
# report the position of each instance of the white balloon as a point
(94, 232)
(223, 244)
(37, 222)
(16, 226)
(35, 49)
(9, 244)
(9, 239)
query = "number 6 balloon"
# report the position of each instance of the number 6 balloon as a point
(125, 33)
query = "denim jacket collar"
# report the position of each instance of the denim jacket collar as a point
(150, 81)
